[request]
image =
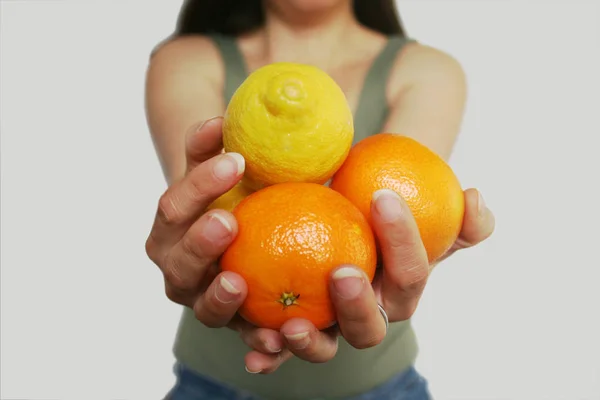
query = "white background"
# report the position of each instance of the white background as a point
(83, 311)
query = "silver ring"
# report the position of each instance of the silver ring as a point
(385, 317)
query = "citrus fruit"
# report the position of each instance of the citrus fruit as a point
(291, 122)
(422, 178)
(290, 238)
(230, 199)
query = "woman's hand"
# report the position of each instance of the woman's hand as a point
(397, 287)
(185, 242)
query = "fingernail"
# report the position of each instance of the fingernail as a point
(198, 128)
(387, 204)
(271, 348)
(229, 164)
(298, 341)
(252, 372)
(207, 121)
(225, 292)
(480, 204)
(348, 282)
(217, 227)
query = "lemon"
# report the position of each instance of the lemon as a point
(291, 122)
(230, 199)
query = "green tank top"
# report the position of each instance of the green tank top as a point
(219, 353)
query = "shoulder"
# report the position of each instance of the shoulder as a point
(427, 97)
(185, 57)
(422, 65)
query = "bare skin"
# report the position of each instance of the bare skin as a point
(426, 95)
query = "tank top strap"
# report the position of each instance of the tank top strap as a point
(233, 60)
(372, 105)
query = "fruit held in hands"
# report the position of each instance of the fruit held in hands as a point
(291, 122)
(421, 177)
(290, 237)
(229, 200)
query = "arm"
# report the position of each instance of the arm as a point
(184, 84)
(428, 103)
(427, 95)
(183, 87)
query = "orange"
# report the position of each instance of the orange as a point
(230, 199)
(290, 238)
(422, 178)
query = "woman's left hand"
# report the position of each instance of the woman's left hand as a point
(397, 287)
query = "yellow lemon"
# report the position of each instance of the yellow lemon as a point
(230, 199)
(291, 122)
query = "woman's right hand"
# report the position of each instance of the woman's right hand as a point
(186, 242)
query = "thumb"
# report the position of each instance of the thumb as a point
(203, 141)
(405, 263)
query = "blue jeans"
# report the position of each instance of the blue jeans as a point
(408, 385)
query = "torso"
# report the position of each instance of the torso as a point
(349, 70)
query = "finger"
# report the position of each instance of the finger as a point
(262, 340)
(185, 200)
(266, 341)
(358, 316)
(307, 342)
(220, 302)
(406, 266)
(188, 262)
(204, 142)
(259, 363)
(478, 223)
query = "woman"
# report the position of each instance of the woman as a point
(392, 84)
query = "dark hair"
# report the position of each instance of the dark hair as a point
(236, 17)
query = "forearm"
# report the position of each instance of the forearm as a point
(179, 96)
(429, 100)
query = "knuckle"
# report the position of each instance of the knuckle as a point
(278, 360)
(174, 276)
(168, 212)
(398, 239)
(270, 370)
(174, 295)
(415, 283)
(193, 245)
(197, 188)
(248, 339)
(152, 249)
(261, 345)
(201, 243)
(461, 243)
(369, 341)
(208, 316)
(256, 339)
(354, 316)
